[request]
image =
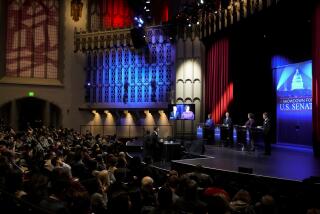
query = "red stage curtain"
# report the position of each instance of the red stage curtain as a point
(116, 14)
(316, 80)
(160, 11)
(218, 88)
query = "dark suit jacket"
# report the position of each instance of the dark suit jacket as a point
(267, 128)
(227, 122)
(175, 117)
(155, 139)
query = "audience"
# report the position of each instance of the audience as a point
(61, 171)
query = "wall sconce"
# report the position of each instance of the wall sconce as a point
(76, 9)
(146, 112)
(125, 112)
(94, 112)
(106, 111)
(161, 112)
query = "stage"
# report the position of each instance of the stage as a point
(285, 163)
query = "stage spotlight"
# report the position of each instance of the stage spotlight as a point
(88, 84)
(189, 25)
(138, 21)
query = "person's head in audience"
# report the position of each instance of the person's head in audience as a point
(120, 203)
(190, 191)
(103, 179)
(242, 195)
(59, 183)
(227, 114)
(121, 163)
(3, 145)
(313, 211)
(217, 205)
(173, 173)
(99, 158)
(173, 182)
(241, 202)
(122, 155)
(266, 205)
(165, 197)
(92, 165)
(98, 203)
(147, 184)
(214, 191)
(113, 161)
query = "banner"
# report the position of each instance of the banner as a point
(294, 103)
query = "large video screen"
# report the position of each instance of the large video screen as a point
(294, 103)
(181, 111)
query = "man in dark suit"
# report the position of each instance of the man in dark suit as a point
(227, 120)
(228, 128)
(156, 145)
(175, 114)
(147, 145)
(267, 137)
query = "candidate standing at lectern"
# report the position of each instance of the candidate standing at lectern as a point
(157, 145)
(267, 137)
(250, 125)
(228, 128)
(209, 130)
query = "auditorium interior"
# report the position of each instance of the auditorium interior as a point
(160, 106)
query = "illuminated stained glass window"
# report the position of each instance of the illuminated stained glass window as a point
(128, 78)
(32, 34)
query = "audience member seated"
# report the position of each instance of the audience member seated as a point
(189, 202)
(148, 197)
(165, 203)
(241, 203)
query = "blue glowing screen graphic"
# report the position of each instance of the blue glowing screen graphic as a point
(294, 103)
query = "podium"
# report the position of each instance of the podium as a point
(242, 134)
(172, 150)
(226, 134)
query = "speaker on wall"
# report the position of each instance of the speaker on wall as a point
(138, 37)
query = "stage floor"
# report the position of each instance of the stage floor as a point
(284, 163)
